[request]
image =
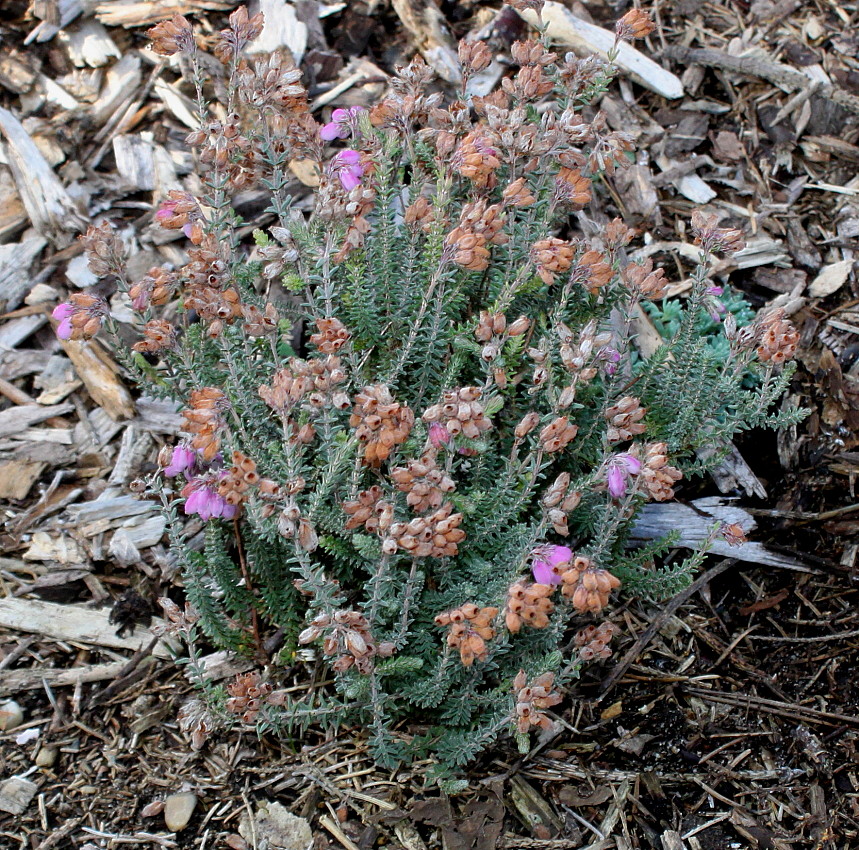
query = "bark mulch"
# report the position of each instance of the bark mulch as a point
(726, 718)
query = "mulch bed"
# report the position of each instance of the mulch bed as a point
(727, 719)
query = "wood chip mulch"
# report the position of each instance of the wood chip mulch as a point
(727, 718)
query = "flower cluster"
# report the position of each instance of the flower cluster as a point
(346, 635)
(469, 629)
(531, 700)
(80, 317)
(248, 693)
(460, 412)
(593, 641)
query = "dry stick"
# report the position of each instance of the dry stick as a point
(647, 635)
(780, 75)
(771, 706)
(59, 834)
(133, 671)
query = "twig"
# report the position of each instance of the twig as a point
(817, 639)
(771, 706)
(647, 635)
(58, 835)
(781, 75)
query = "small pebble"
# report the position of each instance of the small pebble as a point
(46, 757)
(178, 809)
(11, 715)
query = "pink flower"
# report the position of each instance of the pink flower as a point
(81, 316)
(618, 470)
(202, 498)
(63, 314)
(182, 460)
(166, 210)
(439, 435)
(340, 125)
(546, 561)
(347, 166)
(610, 358)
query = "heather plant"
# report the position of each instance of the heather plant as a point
(413, 426)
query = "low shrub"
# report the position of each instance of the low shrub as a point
(413, 424)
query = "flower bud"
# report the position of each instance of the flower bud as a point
(519, 327)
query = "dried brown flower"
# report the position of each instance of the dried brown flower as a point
(156, 287)
(380, 423)
(247, 693)
(532, 699)
(204, 419)
(518, 194)
(477, 158)
(558, 434)
(634, 24)
(470, 628)
(528, 603)
(593, 641)
(424, 483)
(657, 475)
(572, 189)
(552, 256)
(624, 419)
(713, 238)
(646, 281)
(460, 412)
(172, 36)
(777, 338)
(331, 336)
(733, 534)
(369, 510)
(435, 535)
(474, 55)
(347, 635)
(242, 29)
(587, 587)
(259, 322)
(240, 477)
(592, 271)
(158, 335)
(104, 249)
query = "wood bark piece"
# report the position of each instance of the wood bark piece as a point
(90, 45)
(16, 419)
(99, 374)
(586, 39)
(144, 165)
(15, 261)
(76, 623)
(16, 794)
(282, 29)
(830, 279)
(51, 210)
(17, 74)
(62, 13)
(17, 330)
(145, 12)
(109, 508)
(121, 81)
(61, 549)
(781, 75)
(424, 20)
(13, 681)
(694, 523)
(18, 476)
